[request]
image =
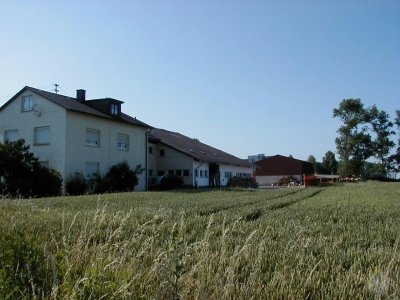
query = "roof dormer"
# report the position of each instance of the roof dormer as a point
(108, 106)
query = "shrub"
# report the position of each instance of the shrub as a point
(120, 178)
(23, 176)
(47, 182)
(242, 182)
(76, 184)
(170, 182)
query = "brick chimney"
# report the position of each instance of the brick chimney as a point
(81, 95)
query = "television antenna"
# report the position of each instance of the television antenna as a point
(56, 88)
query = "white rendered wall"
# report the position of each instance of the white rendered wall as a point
(50, 114)
(107, 154)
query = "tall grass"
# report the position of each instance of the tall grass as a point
(337, 242)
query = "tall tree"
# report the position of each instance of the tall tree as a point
(330, 163)
(381, 127)
(395, 158)
(311, 159)
(354, 144)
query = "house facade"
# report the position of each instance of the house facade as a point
(74, 134)
(271, 169)
(199, 165)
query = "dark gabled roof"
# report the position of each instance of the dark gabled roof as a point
(72, 104)
(282, 165)
(194, 148)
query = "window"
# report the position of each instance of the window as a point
(170, 172)
(42, 135)
(160, 173)
(91, 169)
(205, 173)
(150, 173)
(93, 137)
(196, 173)
(150, 150)
(27, 103)
(186, 173)
(114, 109)
(11, 135)
(162, 152)
(178, 172)
(228, 174)
(201, 173)
(123, 142)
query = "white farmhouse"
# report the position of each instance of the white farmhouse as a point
(75, 134)
(200, 165)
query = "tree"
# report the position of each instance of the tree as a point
(382, 129)
(330, 163)
(312, 160)
(394, 161)
(120, 178)
(22, 175)
(354, 144)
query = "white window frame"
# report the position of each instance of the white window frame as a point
(91, 169)
(123, 142)
(27, 103)
(7, 134)
(92, 142)
(39, 141)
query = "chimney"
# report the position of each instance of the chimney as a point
(81, 95)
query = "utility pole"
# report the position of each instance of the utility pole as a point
(56, 88)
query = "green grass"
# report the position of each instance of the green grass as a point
(337, 242)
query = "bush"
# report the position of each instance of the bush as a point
(47, 182)
(76, 184)
(170, 182)
(23, 176)
(242, 182)
(120, 178)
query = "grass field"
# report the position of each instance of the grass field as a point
(337, 242)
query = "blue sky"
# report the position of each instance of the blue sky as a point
(246, 77)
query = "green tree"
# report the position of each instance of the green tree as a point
(311, 159)
(381, 127)
(120, 178)
(330, 163)
(354, 143)
(394, 162)
(22, 175)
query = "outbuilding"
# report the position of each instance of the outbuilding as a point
(272, 168)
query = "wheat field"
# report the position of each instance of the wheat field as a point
(339, 242)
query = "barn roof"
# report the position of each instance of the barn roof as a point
(194, 148)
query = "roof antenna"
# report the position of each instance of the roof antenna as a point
(56, 88)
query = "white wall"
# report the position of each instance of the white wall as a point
(233, 170)
(11, 117)
(67, 151)
(268, 180)
(107, 154)
(201, 181)
(172, 160)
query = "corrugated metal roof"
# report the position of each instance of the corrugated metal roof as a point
(194, 148)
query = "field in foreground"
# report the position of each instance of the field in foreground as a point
(319, 243)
